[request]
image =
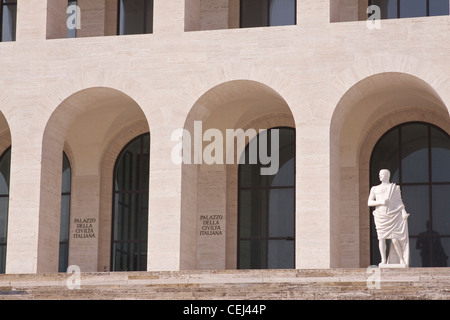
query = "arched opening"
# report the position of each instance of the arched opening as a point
(229, 14)
(5, 174)
(8, 20)
(88, 123)
(135, 17)
(65, 215)
(262, 13)
(5, 166)
(221, 123)
(266, 206)
(418, 157)
(409, 9)
(77, 19)
(364, 113)
(130, 206)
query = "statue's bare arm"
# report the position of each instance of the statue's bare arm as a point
(373, 202)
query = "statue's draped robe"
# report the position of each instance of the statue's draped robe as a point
(390, 224)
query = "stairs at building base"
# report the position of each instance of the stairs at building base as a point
(320, 284)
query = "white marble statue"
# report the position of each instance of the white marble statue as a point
(390, 221)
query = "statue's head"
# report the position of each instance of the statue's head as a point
(385, 175)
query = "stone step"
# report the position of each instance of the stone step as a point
(329, 284)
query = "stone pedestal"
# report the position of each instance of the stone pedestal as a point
(392, 265)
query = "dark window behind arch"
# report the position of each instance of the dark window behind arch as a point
(8, 15)
(264, 13)
(266, 209)
(5, 165)
(72, 32)
(418, 156)
(391, 9)
(130, 207)
(65, 214)
(135, 17)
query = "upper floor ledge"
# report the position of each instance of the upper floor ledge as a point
(23, 20)
(385, 24)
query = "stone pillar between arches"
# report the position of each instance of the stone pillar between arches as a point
(84, 222)
(34, 208)
(211, 218)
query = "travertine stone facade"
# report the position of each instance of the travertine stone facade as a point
(338, 83)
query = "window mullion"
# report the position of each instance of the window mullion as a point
(1, 21)
(145, 17)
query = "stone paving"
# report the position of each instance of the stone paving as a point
(326, 284)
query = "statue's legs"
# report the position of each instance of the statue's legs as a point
(398, 249)
(382, 247)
